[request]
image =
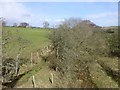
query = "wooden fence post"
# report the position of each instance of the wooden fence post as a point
(33, 81)
(51, 78)
(38, 55)
(31, 59)
(47, 49)
(17, 64)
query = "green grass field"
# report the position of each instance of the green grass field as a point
(35, 37)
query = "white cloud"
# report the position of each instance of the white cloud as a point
(60, 20)
(14, 11)
(17, 12)
(101, 15)
(53, 22)
(107, 18)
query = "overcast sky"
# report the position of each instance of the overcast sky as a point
(101, 13)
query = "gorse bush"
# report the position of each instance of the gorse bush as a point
(114, 44)
(76, 46)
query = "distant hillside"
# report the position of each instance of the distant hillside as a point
(90, 23)
(110, 28)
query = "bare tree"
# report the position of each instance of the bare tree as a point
(71, 22)
(2, 19)
(23, 24)
(46, 24)
(73, 47)
(14, 24)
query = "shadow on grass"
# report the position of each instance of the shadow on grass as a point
(115, 75)
(14, 82)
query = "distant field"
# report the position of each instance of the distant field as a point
(35, 37)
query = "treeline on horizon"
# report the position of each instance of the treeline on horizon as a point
(46, 24)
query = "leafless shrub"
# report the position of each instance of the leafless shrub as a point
(76, 43)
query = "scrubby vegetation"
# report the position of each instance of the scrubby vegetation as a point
(17, 44)
(76, 48)
(78, 53)
(114, 44)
